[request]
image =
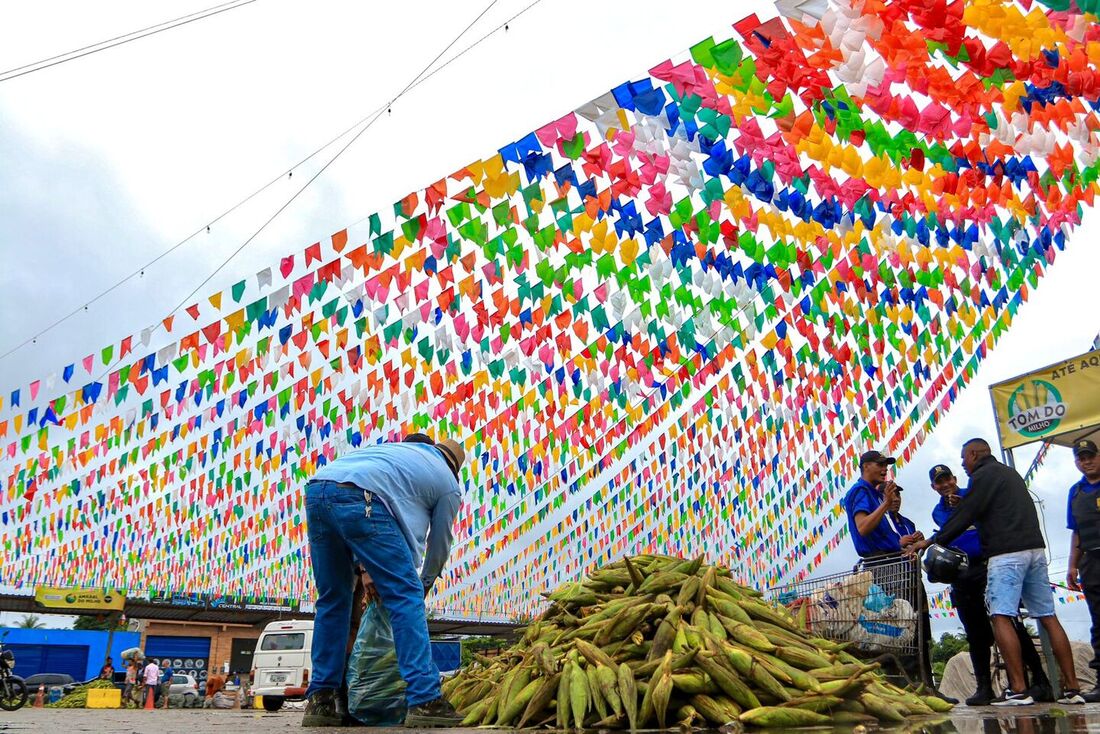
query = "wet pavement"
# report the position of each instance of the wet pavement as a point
(1040, 719)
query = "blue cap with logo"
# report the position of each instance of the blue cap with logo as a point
(1083, 446)
(939, 471)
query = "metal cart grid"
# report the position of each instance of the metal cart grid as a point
(875, 608)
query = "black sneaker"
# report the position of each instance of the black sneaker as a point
(1071, 697)
(982, 697)
(1008, 698)
(943, 697)
(321, 710)
(432, 715)
(1042, 693)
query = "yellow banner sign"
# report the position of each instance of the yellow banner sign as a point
(1061, 399)
(58, 598)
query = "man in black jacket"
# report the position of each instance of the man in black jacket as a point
(968, 598)
(999, 504)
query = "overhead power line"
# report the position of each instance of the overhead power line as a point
(368, 118)
(332, 160)
(78, 53)
(315, 176)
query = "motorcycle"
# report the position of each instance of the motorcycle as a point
(13, 691)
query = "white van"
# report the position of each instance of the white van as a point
(280, 664)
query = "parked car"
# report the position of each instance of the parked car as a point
(49, 680)
(183, 685)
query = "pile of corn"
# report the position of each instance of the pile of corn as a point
(661, 641)
(78, 699)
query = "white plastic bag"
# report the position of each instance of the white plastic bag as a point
(131, 653)
(889, 629)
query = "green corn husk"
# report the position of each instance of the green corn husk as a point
(658, 641)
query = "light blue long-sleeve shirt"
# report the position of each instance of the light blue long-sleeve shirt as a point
(419, 489)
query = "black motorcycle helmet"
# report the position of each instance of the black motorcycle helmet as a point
(944, 565)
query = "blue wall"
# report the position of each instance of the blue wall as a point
(95, 641)
(447, 655)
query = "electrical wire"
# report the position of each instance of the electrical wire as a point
(332, 160)
(83, 51)
(307, 184)
(33, 338)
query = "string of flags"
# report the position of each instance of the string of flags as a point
(939, 603)
(665, 321)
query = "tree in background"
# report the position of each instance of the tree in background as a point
(473, 645)
(30, 622)
(945, 648)
(99, 622)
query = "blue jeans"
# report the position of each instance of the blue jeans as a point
(343, 529)
(1020, 576)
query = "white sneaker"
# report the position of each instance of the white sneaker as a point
(1071, 697)
(1014, 699)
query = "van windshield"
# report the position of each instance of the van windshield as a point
(284, 641)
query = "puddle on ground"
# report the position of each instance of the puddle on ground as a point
(976, 721)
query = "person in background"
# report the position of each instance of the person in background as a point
(880, 534)
(968, 598)
(166, 683)
(128, 684)
(1008, 527)
(389, 507)
(214, 683)
(1083, 518)
(107, 672)
(150, 677)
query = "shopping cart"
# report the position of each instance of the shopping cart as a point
(877, 609)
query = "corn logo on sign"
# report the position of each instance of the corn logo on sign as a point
(1036, 409)
(53, 597)
(1049, 402)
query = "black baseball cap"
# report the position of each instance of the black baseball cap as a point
(939, 471)
(1083, 446)
(875, 457)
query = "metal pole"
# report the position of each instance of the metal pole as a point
(1053, 671)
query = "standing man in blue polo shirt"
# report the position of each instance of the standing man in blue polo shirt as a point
(1083, 518)
(390, 508)
(875, 523)
(968, 598)
(880, 533)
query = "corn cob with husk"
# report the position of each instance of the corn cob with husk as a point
(656, 641)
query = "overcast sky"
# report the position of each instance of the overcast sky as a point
(111, 159)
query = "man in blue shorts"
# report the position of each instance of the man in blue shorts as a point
(968, 598)
(999, 504)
